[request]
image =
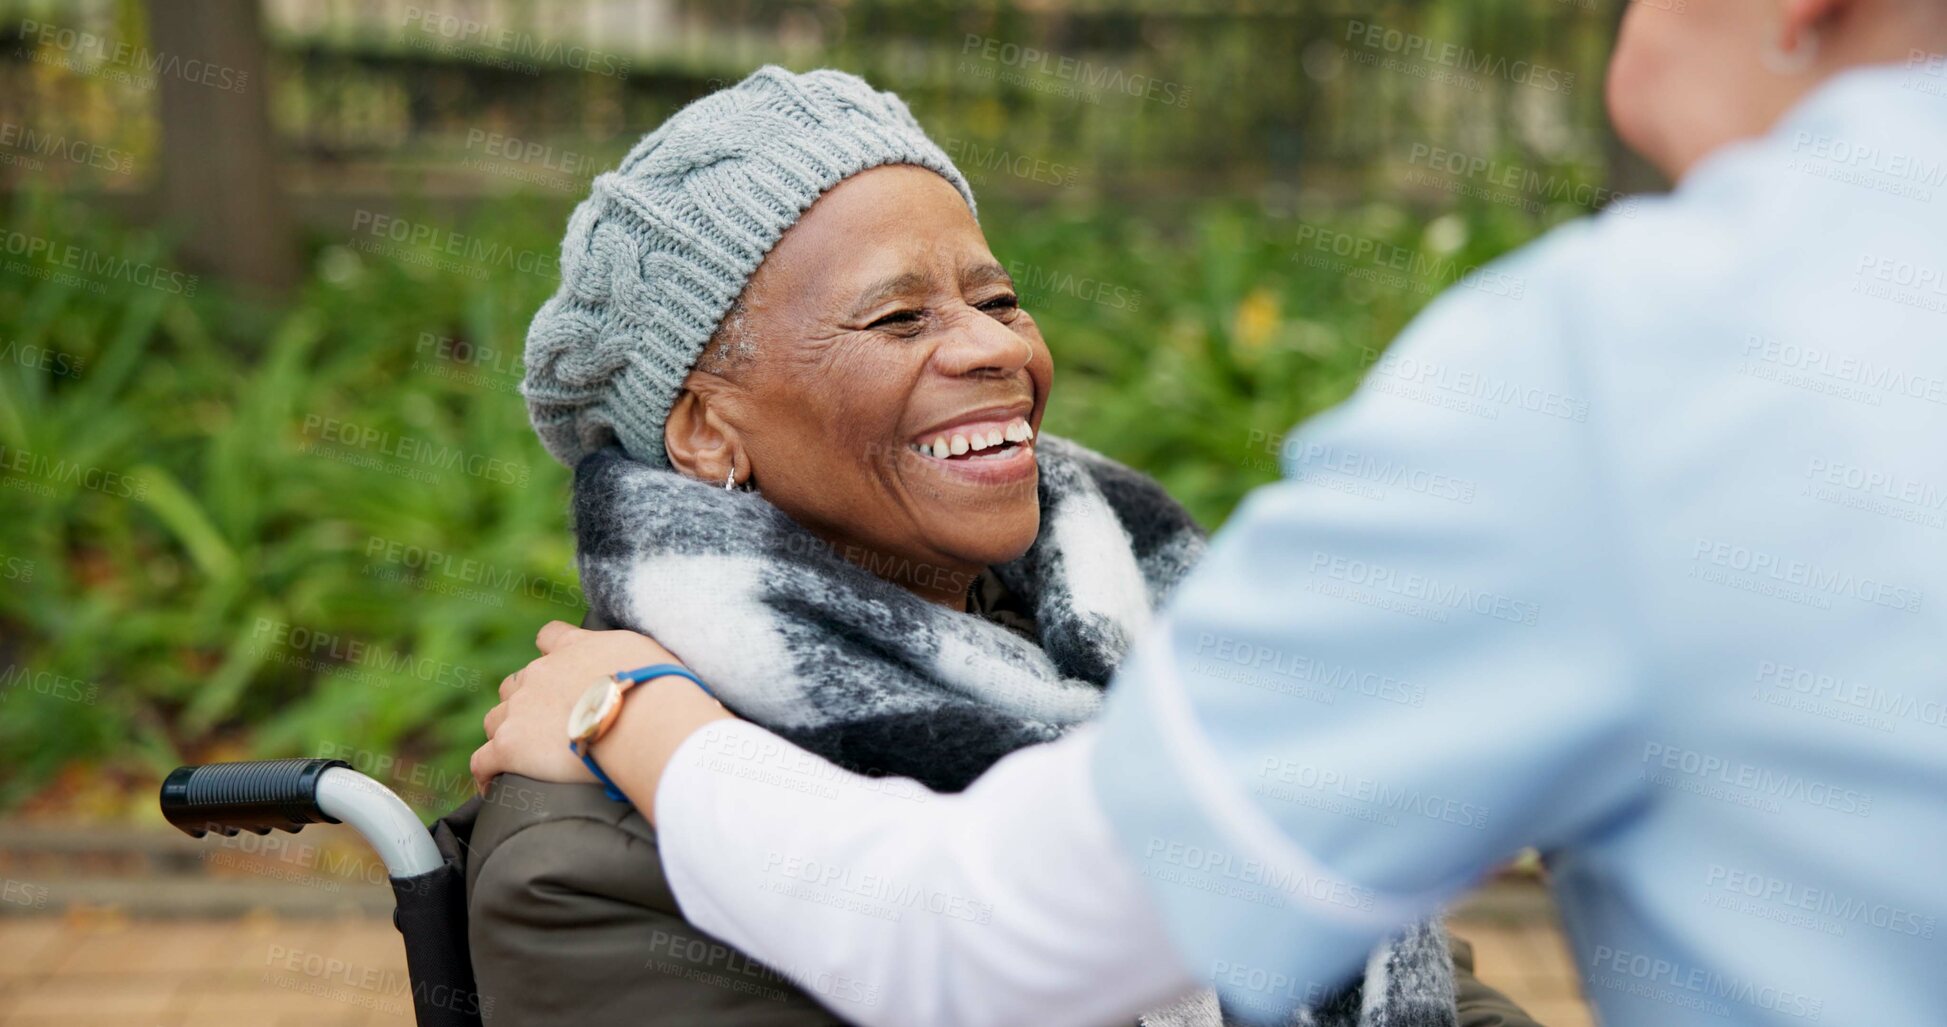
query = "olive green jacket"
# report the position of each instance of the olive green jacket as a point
(571, 921)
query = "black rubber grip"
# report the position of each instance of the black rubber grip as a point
(257, 796)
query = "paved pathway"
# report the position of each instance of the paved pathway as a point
(1529, 961)
(83, 969)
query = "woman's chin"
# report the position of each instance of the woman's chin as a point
(987, 538)
(984, 511)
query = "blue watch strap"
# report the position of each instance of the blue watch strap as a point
(637, 676)
(608, 786)
(663, 670)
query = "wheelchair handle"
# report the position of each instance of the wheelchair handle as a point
(288, 794)
(231, 797)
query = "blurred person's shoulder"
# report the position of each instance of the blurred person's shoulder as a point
(1858, 166)
(1764, 240)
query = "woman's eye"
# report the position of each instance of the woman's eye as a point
(896, 318)
(1002, 304)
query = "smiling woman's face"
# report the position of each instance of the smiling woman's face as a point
(889, 390)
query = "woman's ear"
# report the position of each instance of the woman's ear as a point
(700, 441)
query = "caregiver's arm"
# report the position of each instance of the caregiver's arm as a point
(1011, 926)
(1391, 671)
(1004, 904)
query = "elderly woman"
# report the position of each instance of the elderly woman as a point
(803, 404)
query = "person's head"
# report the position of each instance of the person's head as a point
(1689, 76)
(880, 324)
(785, 286)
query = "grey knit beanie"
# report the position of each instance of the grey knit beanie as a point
(664, 244)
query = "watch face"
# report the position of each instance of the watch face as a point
(589, 710)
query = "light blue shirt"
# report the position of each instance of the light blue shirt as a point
(1633, 548)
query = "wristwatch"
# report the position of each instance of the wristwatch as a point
(595, 712)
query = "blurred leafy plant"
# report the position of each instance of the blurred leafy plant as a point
(190, 609)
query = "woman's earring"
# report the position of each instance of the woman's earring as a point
(730, 480)
(1796, 61)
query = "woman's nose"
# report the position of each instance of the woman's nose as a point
(980, 345)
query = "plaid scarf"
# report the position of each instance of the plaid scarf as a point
(796, 638)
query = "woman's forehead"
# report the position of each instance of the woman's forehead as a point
(886, 232)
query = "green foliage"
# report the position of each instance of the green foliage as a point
(233, 532)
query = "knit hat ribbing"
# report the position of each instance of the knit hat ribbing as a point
(665, 243)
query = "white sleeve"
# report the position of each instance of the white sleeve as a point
(1008, 903)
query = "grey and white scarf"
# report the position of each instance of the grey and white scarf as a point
(839, 660)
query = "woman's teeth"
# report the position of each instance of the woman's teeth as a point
(989, 443)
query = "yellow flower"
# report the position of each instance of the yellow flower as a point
(1256, 319)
